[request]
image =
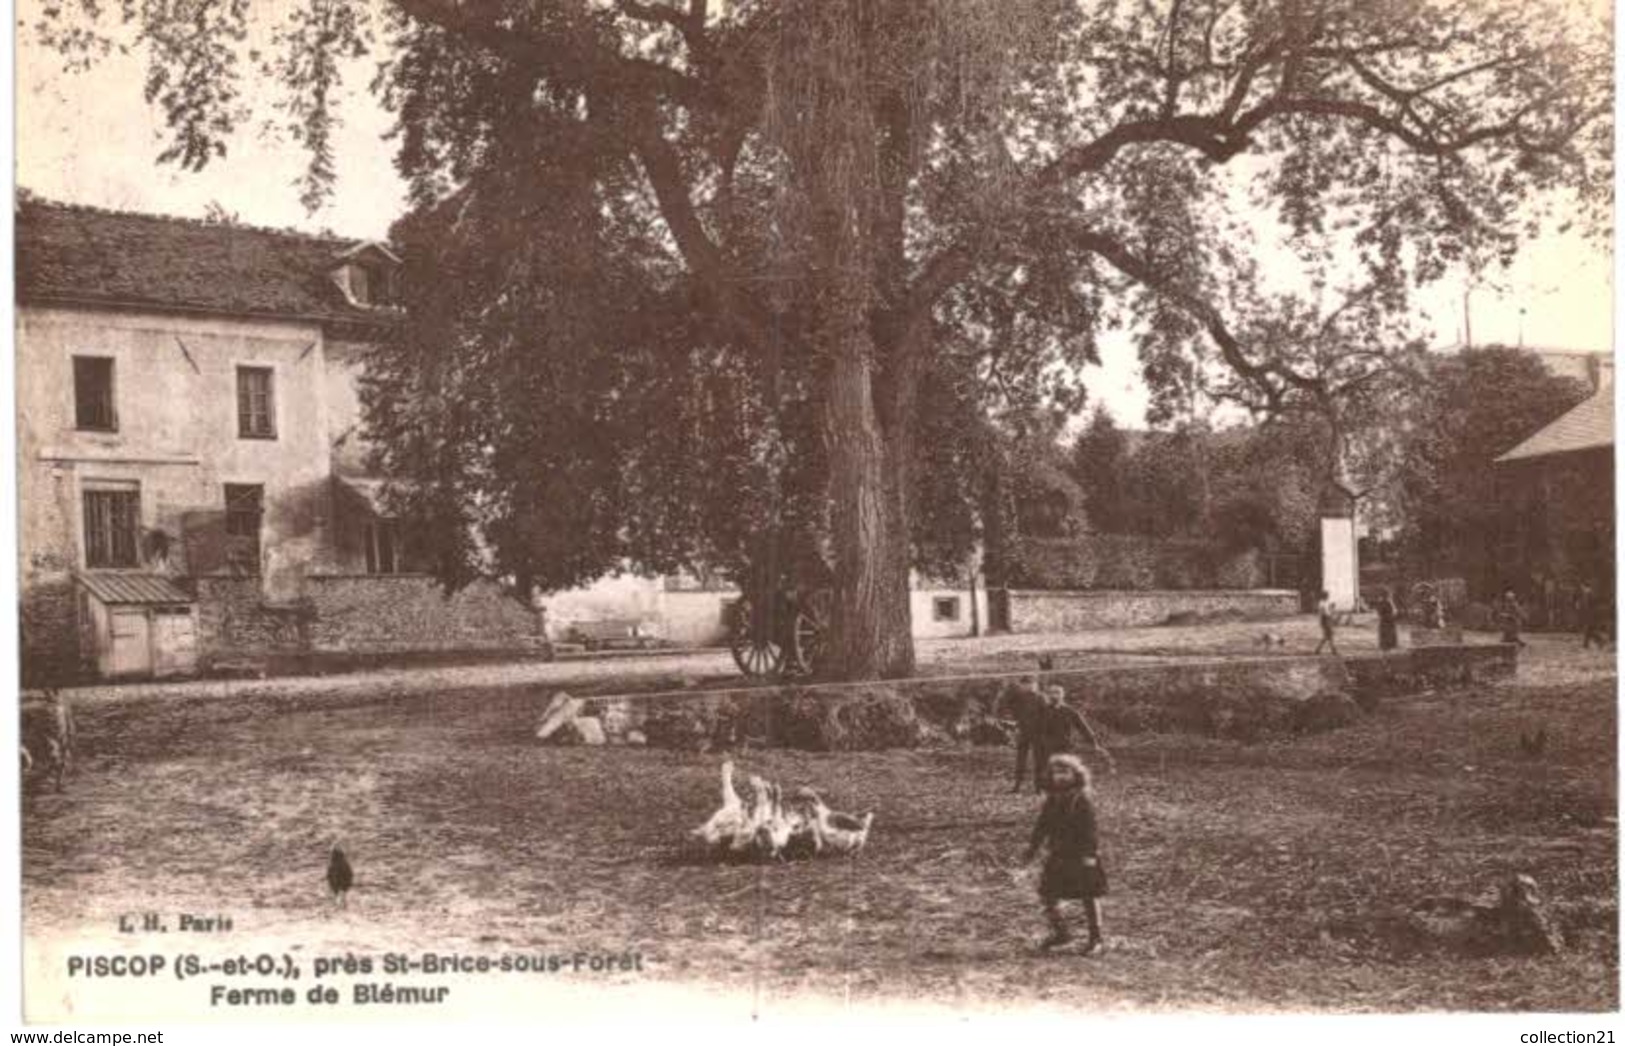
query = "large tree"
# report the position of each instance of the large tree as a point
(809, 191)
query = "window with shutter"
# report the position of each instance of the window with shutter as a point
(93, 394)
(256, 404)
(245, 509)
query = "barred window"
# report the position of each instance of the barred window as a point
(256, 403)
(93, 394)
(245, 508)
(112, 525)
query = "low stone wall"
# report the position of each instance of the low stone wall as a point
(1132, 563)
(412, 612)
(1033, 610)
(344, 615)
(233, 621)
(52, 651)
(1242, 700)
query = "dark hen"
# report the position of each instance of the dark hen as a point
(340, 876)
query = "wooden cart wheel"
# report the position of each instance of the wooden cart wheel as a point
(755, 649)
(807, 637)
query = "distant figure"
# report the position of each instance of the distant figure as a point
(1025, 702)
(1061, 731)
(1590, 612)
(1511, 617)
(1047, 726)
(1387, 621)
(1328, 622)
(1072, 869)
(340, 876)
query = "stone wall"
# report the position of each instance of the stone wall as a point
(412, 612)
(1038, 611)
(51, 649)
(1129, 562)
(234, 621)
(361, 614)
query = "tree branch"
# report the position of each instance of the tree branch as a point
(665, 173)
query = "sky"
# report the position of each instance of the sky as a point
(90, 138)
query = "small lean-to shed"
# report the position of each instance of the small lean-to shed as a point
(138, 624)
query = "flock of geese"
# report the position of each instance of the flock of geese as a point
(772, 827)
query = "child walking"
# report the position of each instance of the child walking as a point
(1328, 622)
(1072, 870)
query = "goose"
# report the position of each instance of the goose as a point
(838, 832)
(726, 825)
(774, 828)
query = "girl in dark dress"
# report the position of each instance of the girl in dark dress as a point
(1072, 871)
(1387, 621)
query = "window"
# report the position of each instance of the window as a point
(245, 508)
(369, 285)
(360, 288)
(945, 608)
(93, 394)
(112, 522)
(256, 404)
(383, 547)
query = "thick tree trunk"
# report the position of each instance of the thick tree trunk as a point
(870, 631)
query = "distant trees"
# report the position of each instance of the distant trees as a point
(1100, 464)
(1245, 487)
(1424, 463)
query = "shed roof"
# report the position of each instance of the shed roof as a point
(1587, 426)
(137, 589)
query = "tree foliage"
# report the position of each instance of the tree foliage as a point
(693, 271)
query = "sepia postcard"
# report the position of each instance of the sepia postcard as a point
(778, 511)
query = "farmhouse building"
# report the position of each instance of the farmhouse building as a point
(1558, 487)
(192, 484)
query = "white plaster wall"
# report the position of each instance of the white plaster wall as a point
(1339, 563)
(177, 430)
(921, 604)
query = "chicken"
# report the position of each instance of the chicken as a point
(1533, 746)
(340, 876)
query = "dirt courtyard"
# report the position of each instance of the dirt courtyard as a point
(1245, 877)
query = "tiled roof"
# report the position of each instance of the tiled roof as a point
(87, 255)
(1586, 426)
(143, 589)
